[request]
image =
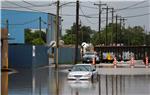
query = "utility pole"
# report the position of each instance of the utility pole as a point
(77, 30)
(116, 30)
(57, 34)
(146, 38)
(120, 30)
(112, 25)
(144, 35)
(100, 11)
(40, 27)
(122, 19)
(80, 24)
(4, 40)
(106, 41)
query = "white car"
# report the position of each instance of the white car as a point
(88, 57)
(82, 72)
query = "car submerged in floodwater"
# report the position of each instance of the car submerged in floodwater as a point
(82, 72)
(89, 56)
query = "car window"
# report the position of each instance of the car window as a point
(82, 68)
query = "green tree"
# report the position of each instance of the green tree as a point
(85, 33)
(69, 39)
(35, 38)
(38, 41)
(28, 36)
(127, 36)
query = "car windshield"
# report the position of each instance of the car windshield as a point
(82, 68)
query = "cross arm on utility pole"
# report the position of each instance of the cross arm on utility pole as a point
(107, 8)
(100, 4)
(124, 19)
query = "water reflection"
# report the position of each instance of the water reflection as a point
(124, 85)
(80, 84)
(57, 82)
(54, 82)
(4, 83)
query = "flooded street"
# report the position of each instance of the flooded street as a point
(107, 42)
(48, 81)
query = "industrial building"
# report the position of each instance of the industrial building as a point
(18, 21)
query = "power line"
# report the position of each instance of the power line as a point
(67, 3)
(122, 10)
(133, 8)
(137, 15)
(23, 23)
(44, 22)
(131, 5)
(88, 7)
(86, 16)
(125, 8)
(39, 5)
(25, 7)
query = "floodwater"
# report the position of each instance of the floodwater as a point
(48, 81)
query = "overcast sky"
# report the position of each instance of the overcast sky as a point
(68, 12)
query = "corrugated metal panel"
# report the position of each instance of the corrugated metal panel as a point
(20, 56)
(41, 56)
(66, 55)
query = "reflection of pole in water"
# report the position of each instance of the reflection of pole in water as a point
(40, 86)
(4, 83)
(106, 85)
(112, 78)
(57, 82)
(77, 92)
(33, 84)
(123, 85)
(99, 84)
(120, 85)
(116, 85)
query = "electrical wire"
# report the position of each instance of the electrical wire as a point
(23, 23)
(110, 17)
(33, 5)
(137, 15)
(44, 22)
(38, 5)
(67, 3)
(88, 7)
(130, 6)
(25, 7)
(86, 16)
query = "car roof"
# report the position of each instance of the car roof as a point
(89, 52)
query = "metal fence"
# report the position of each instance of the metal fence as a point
(26, 56)
(66, 55)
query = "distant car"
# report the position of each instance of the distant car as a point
(89, 56)
(82, 72)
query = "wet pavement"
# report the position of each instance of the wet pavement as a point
(47, 81)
